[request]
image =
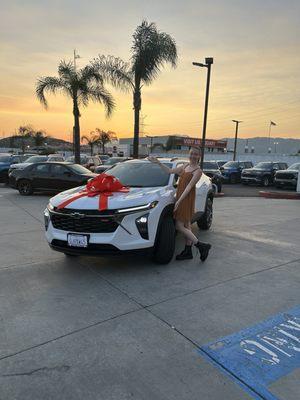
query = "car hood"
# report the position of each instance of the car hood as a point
(212, 171)
(134, 197)
(255, 170)
(283, 171)
(20, 165)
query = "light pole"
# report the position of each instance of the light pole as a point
(236, 135)
(208, 63)
(270, 127)
(151, 141)
(276, 143)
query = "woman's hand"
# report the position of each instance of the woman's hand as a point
(176, 205)
(153, 159)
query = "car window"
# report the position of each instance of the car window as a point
(295, 166)
(15, 160)
(58, 169)
(140, 174)
(276, 166)
(41, 169)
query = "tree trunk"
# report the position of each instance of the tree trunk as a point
(137, 108)
(76, 131)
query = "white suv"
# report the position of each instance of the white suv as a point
(141, 219)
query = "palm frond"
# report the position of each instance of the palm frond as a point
(99, 94)
(150, 50)
(90, 73)
(47, 84)
(66, 71)
(114, 71)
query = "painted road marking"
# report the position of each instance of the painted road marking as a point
(259, 356)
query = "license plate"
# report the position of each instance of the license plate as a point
(77, 240)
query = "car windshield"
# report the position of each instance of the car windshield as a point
(4, 159)
(79, 169)
(210, 165)
(295, 166)
(231, 164)
(264, 165)
(140, 174)
(35, 159)
(113, 160)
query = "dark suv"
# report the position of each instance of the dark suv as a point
(211, 169)
(263, 173)
(232, 170)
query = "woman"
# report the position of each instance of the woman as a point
(189, 175)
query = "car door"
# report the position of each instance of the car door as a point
(62, 178)
(39, 174)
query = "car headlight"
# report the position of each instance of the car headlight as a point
(50, 207)
(142, 225)
(144, 207)
(46, 218)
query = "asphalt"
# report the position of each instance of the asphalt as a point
(125, 328)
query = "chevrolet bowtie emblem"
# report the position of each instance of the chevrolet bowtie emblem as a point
(77, 215)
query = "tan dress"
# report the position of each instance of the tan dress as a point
(186, 208)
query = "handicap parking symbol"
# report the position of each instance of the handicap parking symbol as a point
(264, 359)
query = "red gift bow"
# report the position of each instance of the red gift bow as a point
(103, 185)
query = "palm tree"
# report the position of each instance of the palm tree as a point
(103, 138)
(82, 86)
(91, 140)
(25, 132)
(151, 49)
(39, 138)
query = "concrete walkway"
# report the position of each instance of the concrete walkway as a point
(125, 328)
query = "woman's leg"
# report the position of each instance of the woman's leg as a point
(188, 226)
(189, 236)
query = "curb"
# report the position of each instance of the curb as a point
(279, 195)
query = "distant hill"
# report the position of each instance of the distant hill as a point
(261, 145)
(15, 142)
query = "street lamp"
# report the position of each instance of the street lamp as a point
(208, 63)
(235, 138)
(276, 143)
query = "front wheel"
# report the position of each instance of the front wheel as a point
(165, 241)
(206, 220)
(25, 187)
(265, 181)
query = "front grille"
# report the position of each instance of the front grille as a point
(249, 175)
(90, 222)
(285, 176)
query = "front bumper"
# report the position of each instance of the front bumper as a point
(126, 237)
(286, 182)
(251, 179)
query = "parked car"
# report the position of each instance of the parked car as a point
(6, 160)
(55, 157)
(288, 177)
(263, 173)
(49, 176)
(103, 157)
(221, 163)
(232, 170)
(110, 163)
(31, 160)
(211, 169)
(140, 219)
(83, 159)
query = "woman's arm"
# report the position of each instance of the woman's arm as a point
(196, 176)
(168, 170)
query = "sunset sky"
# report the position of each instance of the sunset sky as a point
(255, 76)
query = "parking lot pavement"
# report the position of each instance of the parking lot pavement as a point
(123, 327)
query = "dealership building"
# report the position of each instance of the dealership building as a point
(172, 143)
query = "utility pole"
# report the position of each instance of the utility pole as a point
(236, 135)
(75, 58)
(208, 63)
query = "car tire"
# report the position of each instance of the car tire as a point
(206, 220)
(165, 241)
(25, 187)
(265, 181)
(71, 255)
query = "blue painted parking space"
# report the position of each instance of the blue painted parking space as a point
(259, 356)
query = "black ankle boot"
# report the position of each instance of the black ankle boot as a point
(203, 249)
(186, 254)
